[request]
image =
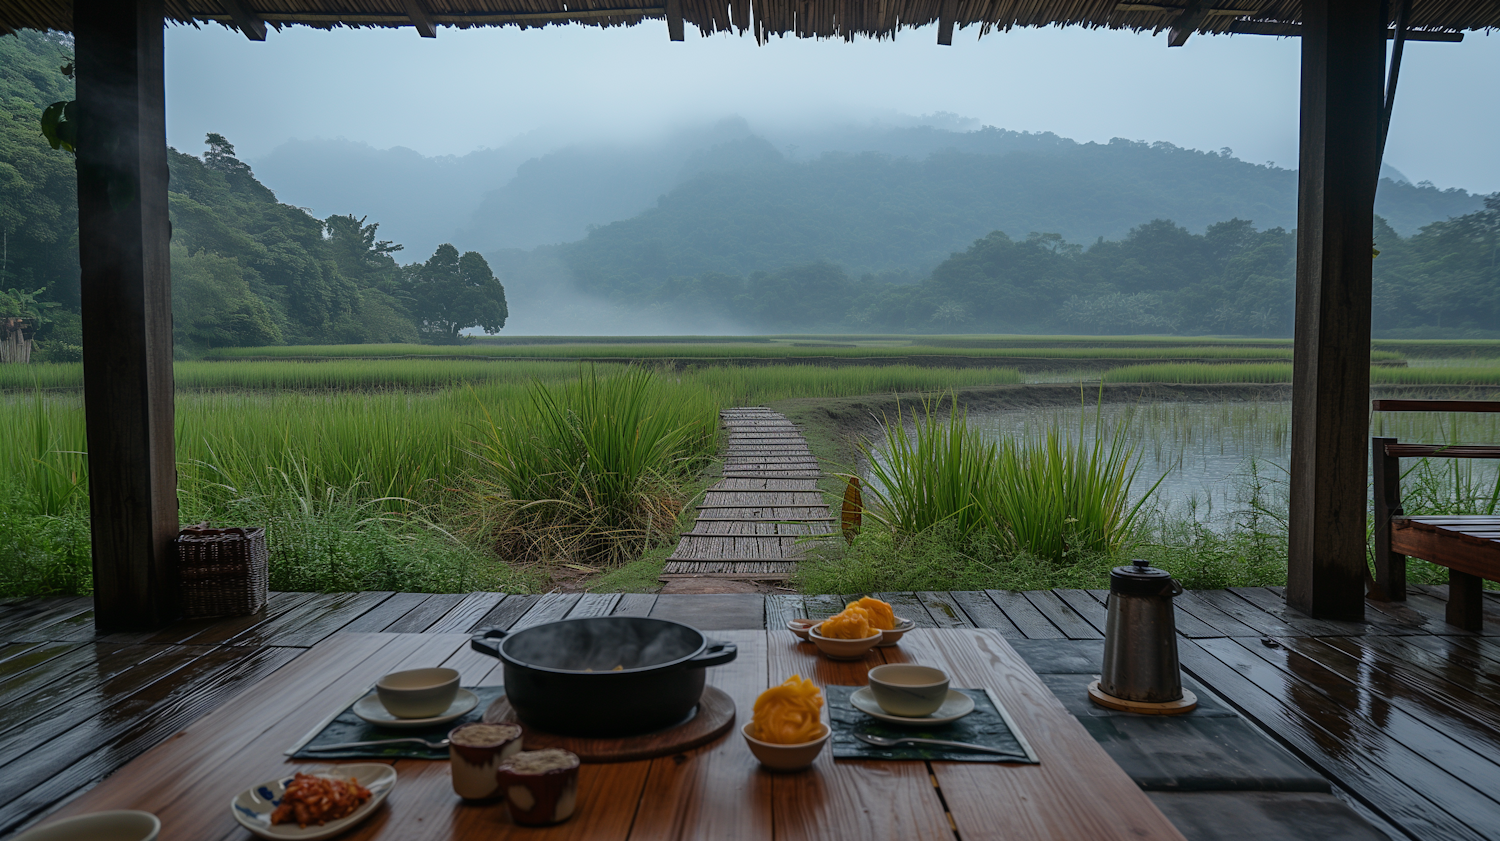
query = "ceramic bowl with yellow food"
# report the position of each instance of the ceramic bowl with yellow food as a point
(784, 757)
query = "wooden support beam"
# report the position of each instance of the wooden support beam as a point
(245, 20)
(675, 28)
(1385, 484)
(947, 10)
(420, 18)
(1343, 62)
(123, 237)
(1185, 24)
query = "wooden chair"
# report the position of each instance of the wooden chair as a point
(1468, 545)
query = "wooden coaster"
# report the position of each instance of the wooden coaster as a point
(1187, 703)
(714, 715)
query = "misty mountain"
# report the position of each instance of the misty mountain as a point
(875, 213)
(418, 201)
(538, 190)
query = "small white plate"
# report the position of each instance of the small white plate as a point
(252, 807)
(956, 706)
(370, 709)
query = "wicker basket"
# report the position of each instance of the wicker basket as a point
(222, 572)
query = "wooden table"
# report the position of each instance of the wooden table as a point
(718, 791)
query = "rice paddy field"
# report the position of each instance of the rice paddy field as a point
(398, 466)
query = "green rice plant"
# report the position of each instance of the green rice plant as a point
(739, 386)
(43, 554)
(1196, 373)
(1058, 496)
(589, 472)
(46, 461)
(1471, 375)
(930, 476)
(756, 348)
(1051, 497)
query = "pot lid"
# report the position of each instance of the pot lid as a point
(1139, 579)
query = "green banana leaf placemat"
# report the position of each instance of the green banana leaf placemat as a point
(348, 727)
(987, 725)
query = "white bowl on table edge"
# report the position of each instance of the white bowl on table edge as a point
(418, 693)
(842, 649)
(252, 807)
(121, 825)
(908, 690)
(785, 757)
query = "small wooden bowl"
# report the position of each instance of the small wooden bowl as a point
(801, 627)
(838, 649)
(785, 757)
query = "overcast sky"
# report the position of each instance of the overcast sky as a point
(471, 89)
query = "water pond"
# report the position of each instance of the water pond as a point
(1213, 458)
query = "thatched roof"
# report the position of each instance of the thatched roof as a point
(801, 18)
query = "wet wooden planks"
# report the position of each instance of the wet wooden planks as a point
(754, 522)
(1401, 711)
(76, 705)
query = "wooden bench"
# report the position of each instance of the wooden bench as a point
(1468, 545)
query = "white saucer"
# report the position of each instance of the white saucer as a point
(370, 709)
(955, 707)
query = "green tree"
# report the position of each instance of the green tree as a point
(213, 306)
(451, 293)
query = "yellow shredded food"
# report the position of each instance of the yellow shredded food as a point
(881, 615)
(789, 714)
(853, 624)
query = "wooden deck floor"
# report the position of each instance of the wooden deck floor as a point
(1401, 713)
(750, 521)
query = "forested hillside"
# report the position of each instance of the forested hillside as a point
(874, 213)
(1160, 278)
(246, 268)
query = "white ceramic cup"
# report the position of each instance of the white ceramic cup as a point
(127, 825)
(907, 690)
(418, 693)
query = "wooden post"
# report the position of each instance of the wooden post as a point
(1465, 601)
(123, 236)
(1343, 57)
(1385, 484)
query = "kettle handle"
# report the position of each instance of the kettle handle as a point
(1176, 587)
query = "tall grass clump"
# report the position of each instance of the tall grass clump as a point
(591, 471)
(1059, 496)
(44, 525)
(934, 475)
(1053, 497)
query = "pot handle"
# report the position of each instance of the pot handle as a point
(715, 654)
(480, 641)
(1176, 587)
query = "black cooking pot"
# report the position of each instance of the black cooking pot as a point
(604, 675)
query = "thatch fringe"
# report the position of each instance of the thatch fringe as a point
(846, 19)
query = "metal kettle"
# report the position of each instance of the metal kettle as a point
(1140, 637)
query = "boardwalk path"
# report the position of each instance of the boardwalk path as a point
(748, 526)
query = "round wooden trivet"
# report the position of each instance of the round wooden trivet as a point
(1186, 704)
(715, 715)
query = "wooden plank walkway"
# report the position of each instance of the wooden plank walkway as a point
(1401, 713)
(750, 521)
